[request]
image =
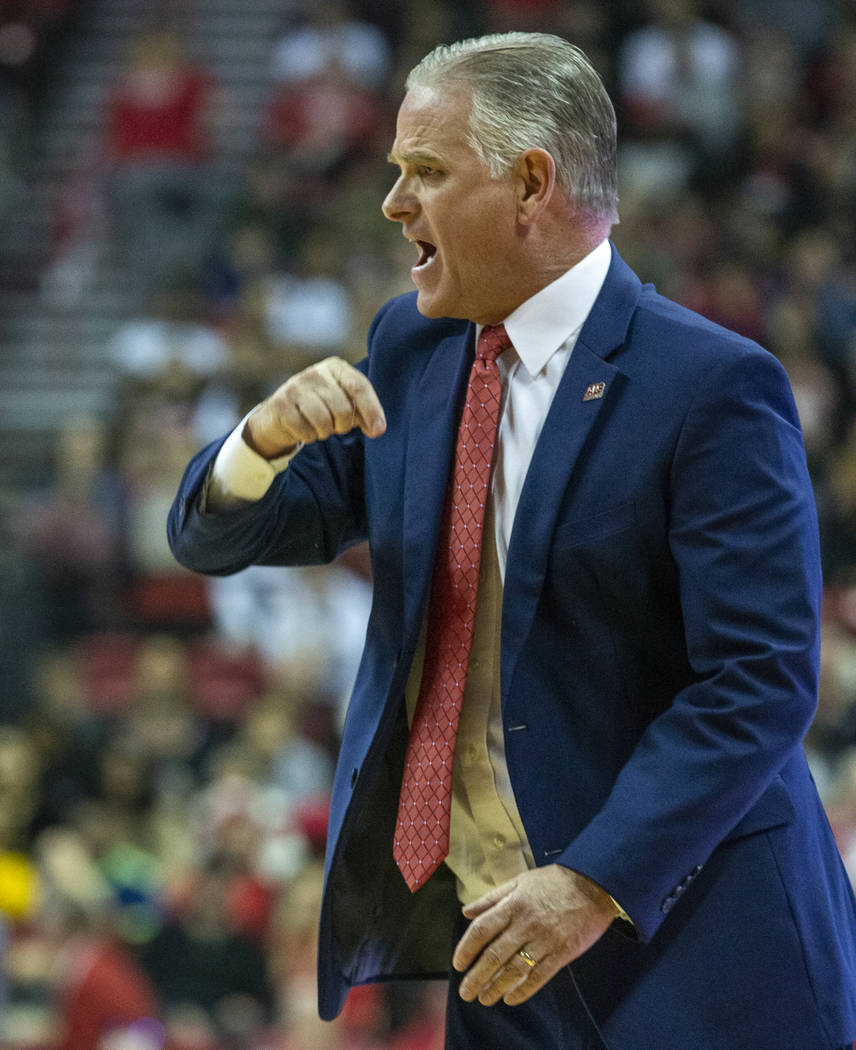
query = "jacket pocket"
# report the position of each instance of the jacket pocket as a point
(599, 526)
(773, 809)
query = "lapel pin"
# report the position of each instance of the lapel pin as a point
(594, 391)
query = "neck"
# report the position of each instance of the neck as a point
(550, 257)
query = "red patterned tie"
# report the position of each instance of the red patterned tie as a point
(422, 830)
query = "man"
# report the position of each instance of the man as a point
(586, 727)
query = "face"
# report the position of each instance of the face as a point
(460, 219)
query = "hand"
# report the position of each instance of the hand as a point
(331, 397)
(552, 913)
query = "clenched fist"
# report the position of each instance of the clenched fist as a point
(331, 397)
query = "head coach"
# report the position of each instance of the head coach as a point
(571, 778)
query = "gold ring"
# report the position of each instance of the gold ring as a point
(526, 957)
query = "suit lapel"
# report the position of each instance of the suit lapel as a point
(431, 438)
(431, 435)
(578, 404)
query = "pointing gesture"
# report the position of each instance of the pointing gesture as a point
(331, 397)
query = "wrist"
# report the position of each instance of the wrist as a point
(604, 901)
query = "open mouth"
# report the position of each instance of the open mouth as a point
(427, 252)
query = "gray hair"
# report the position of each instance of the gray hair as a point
(534, 90)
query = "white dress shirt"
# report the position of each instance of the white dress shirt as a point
(543, 331)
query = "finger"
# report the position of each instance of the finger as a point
(369, 412)
(479, 934)
(489, 968)
(543, 971)
(300, 417)
(488, 987)
(317, 410)
(341, 408)
(312, 407)
(487, 900)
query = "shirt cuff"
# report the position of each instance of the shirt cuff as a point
(241, 474)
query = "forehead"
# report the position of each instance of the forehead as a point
(432, 121)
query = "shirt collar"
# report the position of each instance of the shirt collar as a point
(546, 321)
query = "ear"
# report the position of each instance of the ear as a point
(535, 181)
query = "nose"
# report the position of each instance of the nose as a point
(400, 203)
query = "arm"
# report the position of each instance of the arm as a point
(743, 533)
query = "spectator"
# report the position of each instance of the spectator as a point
(71, 534)
(199, 959)
(101, 989)
(158, 431)
(308, 624)
(310, 308)
(170, 338)
(19, 780)
(29, 35)
(809, 26)
(157, 149)
(327, 36)
(678, 82)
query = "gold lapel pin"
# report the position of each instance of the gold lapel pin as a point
(594, 391)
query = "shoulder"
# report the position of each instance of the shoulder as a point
(686, 340)
(678, 359)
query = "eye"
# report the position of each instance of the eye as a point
(427, 172)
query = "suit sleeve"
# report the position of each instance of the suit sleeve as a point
(743, 535)
(312, 511)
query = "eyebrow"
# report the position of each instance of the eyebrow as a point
(416, 156)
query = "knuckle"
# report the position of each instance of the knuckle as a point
(478, 930)
(331, 366)
(307, 377)
(288, 395)
(351, 376)
(298, 423)
(354, 383)
(281, 422)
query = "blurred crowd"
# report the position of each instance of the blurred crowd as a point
(167, 747)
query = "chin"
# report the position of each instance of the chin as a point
(428, 307)
(435, 307)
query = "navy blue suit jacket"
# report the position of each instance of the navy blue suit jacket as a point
(659, 659)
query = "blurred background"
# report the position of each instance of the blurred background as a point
(189, 213)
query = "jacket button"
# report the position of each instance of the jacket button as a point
(354, 774)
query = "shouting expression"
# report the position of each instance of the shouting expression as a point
(462, 220)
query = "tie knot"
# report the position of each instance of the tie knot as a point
(492, 341)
